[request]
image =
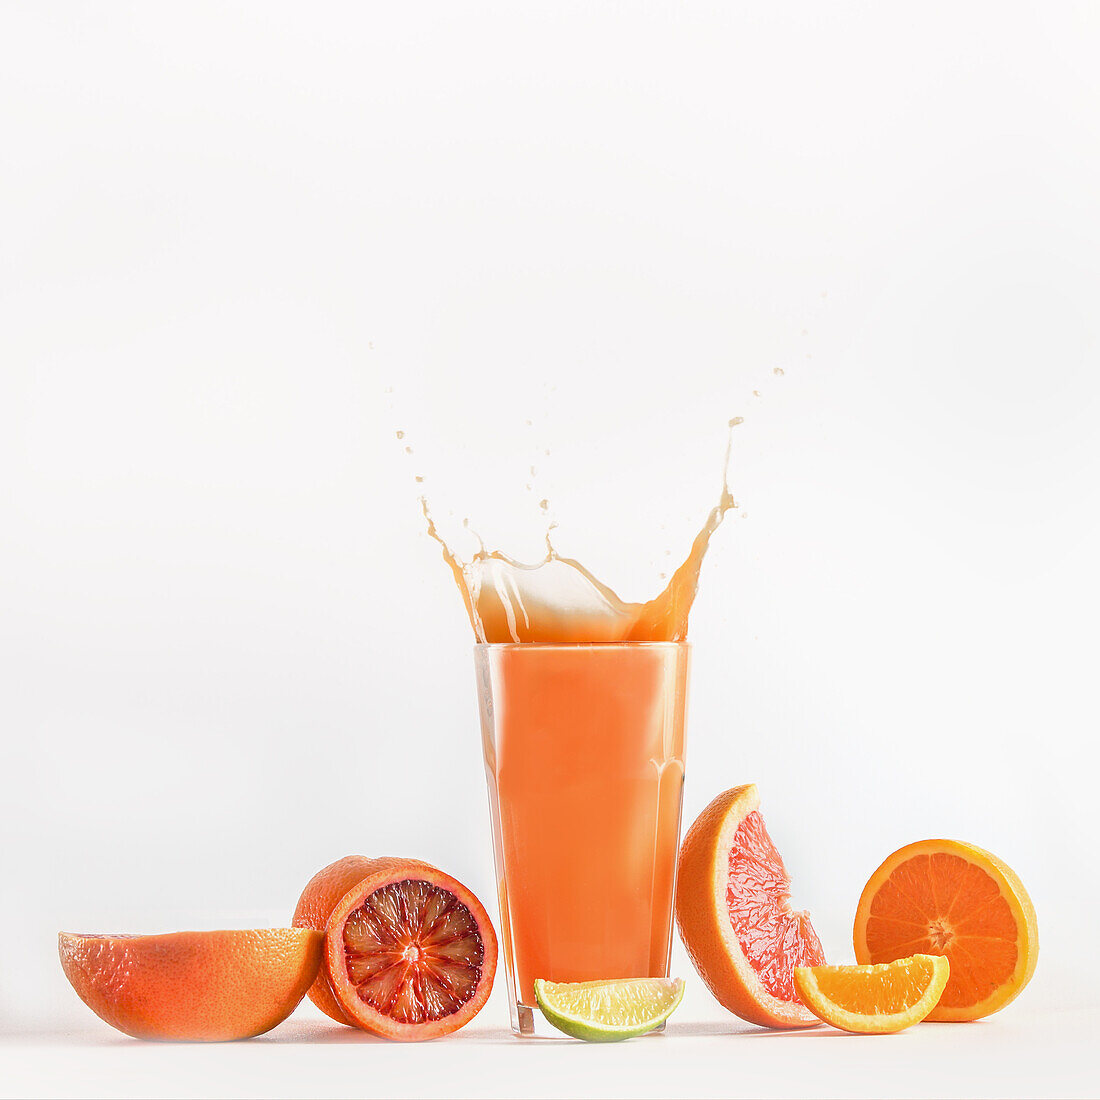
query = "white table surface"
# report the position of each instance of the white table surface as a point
(1022, 1052)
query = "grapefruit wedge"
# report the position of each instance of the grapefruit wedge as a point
(734, 915)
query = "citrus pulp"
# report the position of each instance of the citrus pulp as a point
(606, 1012)
(734, 914)
(874, 1000)
(410, 953)
(315, 906)
(944, 897)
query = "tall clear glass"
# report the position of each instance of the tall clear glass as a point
(584, 756)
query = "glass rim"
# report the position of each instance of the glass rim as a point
(583, 645)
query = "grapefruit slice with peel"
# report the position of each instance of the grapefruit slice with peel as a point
(734, 915)
(203, 986)
(944, 897)
(410, 953)
(873, 1000)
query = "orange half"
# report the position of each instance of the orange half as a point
(874, 1000)
(945, 897)
(199, 986)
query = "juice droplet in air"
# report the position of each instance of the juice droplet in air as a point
(558, 600)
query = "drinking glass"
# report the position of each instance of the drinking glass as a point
(584, 757)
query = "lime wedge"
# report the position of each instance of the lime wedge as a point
(605, 1012)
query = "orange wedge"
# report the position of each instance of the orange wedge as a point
(944, 897)
(873, 1000)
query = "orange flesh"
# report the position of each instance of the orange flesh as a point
(942, 904)
(413, 951)
(885, 992)
(774, 938)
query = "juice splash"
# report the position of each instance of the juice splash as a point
(559, 600)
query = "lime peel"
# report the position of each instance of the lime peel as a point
(608, 1011)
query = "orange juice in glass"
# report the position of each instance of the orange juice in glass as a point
(584, 756)
(583, 702)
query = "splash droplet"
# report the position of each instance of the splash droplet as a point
(778, 370)
(419, 479)
(736, 420)
(544, 504)
(408, 450)
(756, 393)
(506, 601)
(400, 435)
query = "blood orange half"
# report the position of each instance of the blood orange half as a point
(320, 897)
(734, 914)
(410, 953)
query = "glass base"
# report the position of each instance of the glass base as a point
(529, 1023)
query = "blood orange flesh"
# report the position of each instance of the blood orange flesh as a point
(774, 938)
(320, 897)
(410, 953)
(413, 951)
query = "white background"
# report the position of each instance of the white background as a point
(242, 245)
